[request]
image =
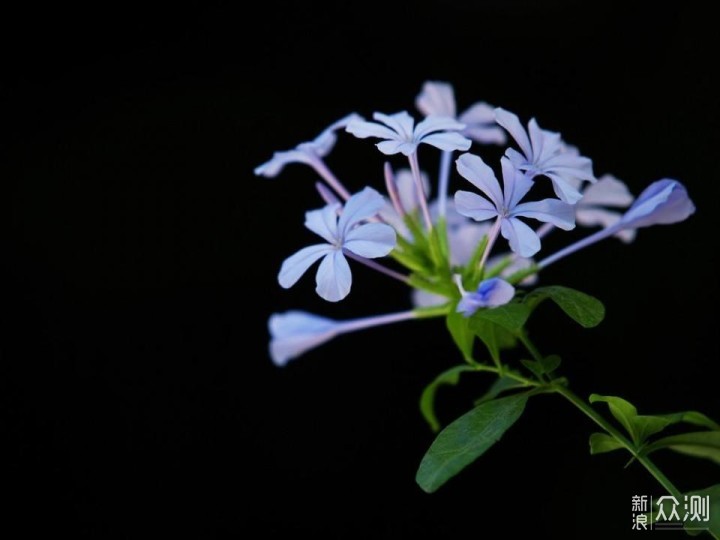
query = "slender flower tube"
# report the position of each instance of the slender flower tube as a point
(295, 332)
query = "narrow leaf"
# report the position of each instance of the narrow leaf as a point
(466, 439)
(703, 444)
(499, 386)
(427, 398)
(623, 411)
(692, 417)
(602, 442)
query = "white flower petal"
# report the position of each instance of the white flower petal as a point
(333, 277)
(402, 123)
(296, 265)
(363, 129)
(436, 98)
(390, 148)
(523, 240)
(362, 205)
(558, 213)
(513, 126)
(607, 191)
(323, 222)
(295, 332)
(273, 167)
(448, 141)
(371, 240)
(436, 123)
(474, 169)
(474, 206)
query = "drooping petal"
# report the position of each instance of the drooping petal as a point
(273, 167)
(333, 277)
(516, 184)
(474, 169)
(490, 293)
(296, 265)
(371, 240)
(295, 332)
(523, 240)
(661, 203)
(564, 189)
(558, 213)
(436, 98)
(323, 222)
(402, 123)
(390, 148)
(448, 141)
(513, 126)
(362, 205)
(474, 206)
(436, 123)
(363, 129)
(607, 191)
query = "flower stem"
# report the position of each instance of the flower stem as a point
(377, 266)
(327, 175)
(492, 236)
(422, 197)
(443, 182)
(613, 432)
(572, 248)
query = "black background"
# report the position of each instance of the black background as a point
(140, 267)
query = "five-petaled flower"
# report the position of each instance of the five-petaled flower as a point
(438, 99)
(490, 293)
(504, 204)
(401, 135)
(544, 153)
(350, 233)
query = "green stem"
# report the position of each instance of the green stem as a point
(500, 372)
(624, 441)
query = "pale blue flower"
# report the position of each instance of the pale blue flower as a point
(344, 233)
(490, 293)
(309, 153)
(295, 332)
(600, 204)
(544, 153)
(662, 203)
(504, 204)
(438, 99)
(401, 135)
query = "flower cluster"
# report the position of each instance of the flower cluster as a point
(446, 246)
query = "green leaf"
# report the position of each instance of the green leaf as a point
(692, 417)
(459, 327)
(602, 442)
(499, 386)
(511, 317)
(471, 272)
(545, 366)
(427, 398)
(584, 309)
(495, 337)
(623, 411)
(639, 427)
(466, 439)
(703, 444)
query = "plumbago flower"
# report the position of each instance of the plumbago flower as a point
(446, 254)
(347, 234)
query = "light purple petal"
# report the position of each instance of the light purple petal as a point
(513, 126)
(323, 222)
(333, 277)
(421, 298)
(517, 159)
(490, 293)
(564, 189)
(296, 265)
(592, 216)
(407, 192)
(478, 113)
(362, 205)
(661, 203)
(474, 206)
(295, 332)
(516, 184)
(371, 240)
(464, 240)
(436, 123)
(558, 213)
(523, 240)
(390, 148)
(447, 141)
(607, 191)
(363, 130)
(273, 167)
(402, 123)
(436, 98)
(474, 169)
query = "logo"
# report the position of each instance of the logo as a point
(667, 513)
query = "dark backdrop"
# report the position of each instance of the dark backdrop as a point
(140, 267)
